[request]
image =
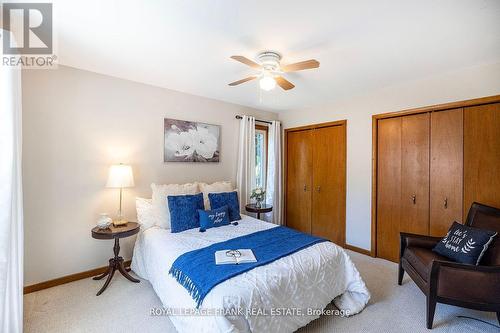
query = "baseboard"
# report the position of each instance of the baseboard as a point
(358, 249)
(68, 278)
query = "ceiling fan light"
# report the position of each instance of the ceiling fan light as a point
(267, 82)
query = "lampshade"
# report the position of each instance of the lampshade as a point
(120, 175)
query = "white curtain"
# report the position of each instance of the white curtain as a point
(245, 176)
(11, 209)
(274, 187)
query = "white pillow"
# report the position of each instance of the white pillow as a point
(217, 187)
(160, 204)
(145, 213)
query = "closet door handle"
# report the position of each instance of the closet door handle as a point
(445, 202)
(318, 189)
(305, 188)
(414, 199)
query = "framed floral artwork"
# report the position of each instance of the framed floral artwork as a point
(187, 141)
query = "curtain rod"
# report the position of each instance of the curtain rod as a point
(260, 121)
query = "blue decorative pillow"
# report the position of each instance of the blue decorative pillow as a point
(213, 218)
(465, 244)
(184, 211)
(229, 199)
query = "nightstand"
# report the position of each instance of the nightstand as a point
(252, 208)
(115, 263)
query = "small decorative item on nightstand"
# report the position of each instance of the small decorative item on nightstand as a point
(120, 176)
(104, 221)
(259, 195)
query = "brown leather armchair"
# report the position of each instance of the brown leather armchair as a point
(445, 281)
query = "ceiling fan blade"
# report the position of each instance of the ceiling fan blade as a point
(246, 61)
(284, 83)
(235, 83)
(298, 66)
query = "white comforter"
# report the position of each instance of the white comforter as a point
(308, 279)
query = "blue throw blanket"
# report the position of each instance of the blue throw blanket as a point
(197, 272)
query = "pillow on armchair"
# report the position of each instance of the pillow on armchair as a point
(465, 244)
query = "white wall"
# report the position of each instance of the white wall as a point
(75, 124)
(459, 85)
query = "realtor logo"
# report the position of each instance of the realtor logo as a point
(28, 35)
(31, 27)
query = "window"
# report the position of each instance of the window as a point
(260, 155)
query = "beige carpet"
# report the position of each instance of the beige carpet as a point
(125, 306)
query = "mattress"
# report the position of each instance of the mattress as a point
(278, 297)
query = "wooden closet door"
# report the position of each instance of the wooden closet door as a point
(388, 187)
(329, 188)
(481, 155)
(299, 180)
(415, 174)
(446, 173)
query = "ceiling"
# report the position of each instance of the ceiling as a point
(362, 45)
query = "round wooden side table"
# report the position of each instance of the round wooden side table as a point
(115, 263)
(252, 208)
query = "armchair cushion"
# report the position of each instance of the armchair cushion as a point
(479, 284)
(465, 244)
(421, 259)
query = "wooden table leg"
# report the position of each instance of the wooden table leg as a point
(108, 280)
(125, 274)
(115, 263)
(99, 277)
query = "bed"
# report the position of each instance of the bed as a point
(278, 297)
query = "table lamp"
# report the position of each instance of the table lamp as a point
(120, 176)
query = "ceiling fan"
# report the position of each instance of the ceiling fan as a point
(271, 71)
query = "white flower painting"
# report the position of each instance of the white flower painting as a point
(187, 141)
